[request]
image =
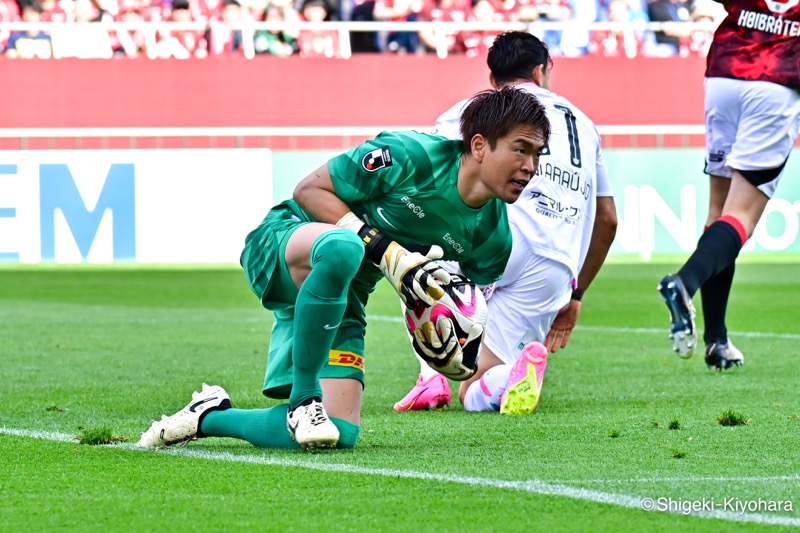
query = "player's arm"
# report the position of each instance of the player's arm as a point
(603, 233)
(316, 195)
(413, 275)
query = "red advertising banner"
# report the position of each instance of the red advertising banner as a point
(366, 90)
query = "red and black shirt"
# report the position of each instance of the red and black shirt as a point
(758, 40)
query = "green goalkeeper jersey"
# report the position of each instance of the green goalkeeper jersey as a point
(404, 184)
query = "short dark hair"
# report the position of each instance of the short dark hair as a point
(317, 3)
(180, 4)
(495, 113)
(33, 5)
(515, 54)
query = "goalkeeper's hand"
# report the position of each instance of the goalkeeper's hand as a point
(415, 277)
(439, 346)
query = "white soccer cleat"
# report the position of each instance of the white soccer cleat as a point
(183, 425)
(310, 426)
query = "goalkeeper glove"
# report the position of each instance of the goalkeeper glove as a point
(413, 275)
(441, 348)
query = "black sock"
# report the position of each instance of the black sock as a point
(714, 293)
(716, 250)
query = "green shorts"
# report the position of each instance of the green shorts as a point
(263, 259)
(268, 276)
(345, 360)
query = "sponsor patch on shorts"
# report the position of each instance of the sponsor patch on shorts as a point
(353, 360)
(716, 156)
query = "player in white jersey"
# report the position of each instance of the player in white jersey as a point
(562, 225)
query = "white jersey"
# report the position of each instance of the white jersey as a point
(556, 211)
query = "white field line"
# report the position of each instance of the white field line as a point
(659, 331)
(749, 479)
(110, 314)
(533, 486)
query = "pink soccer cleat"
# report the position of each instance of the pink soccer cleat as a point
(431, 394)
(525, 381)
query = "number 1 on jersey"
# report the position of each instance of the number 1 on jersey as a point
(572, 134)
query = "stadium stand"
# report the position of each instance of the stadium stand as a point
(202, 28)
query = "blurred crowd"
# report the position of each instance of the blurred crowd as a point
(217, 29)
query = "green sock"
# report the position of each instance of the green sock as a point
(321, 301)
(266, 428)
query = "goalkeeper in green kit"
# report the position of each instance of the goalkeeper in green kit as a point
(387, 208)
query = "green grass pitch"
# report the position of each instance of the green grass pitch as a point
(102, 351)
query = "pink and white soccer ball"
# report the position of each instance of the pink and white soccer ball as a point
(464, 304)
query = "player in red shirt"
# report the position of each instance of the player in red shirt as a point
(752, 116)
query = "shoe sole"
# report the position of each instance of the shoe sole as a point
(188, 433)
(718, 363)
(160, 439)
(439, 403)
(722, 364)
(682, 331)
(320, 443)
(522, 398)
